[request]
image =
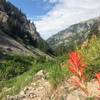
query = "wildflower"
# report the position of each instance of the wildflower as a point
(77, 65)
(76, 82)
(98, 77)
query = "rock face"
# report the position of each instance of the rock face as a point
(77, 33)
(18, 33)
(2, 1)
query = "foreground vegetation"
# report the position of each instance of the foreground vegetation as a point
(18, 71)
(91, 55)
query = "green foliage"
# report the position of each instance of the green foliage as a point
(13, 66)
(91, 55)
(16, 84)
(20, 81)
(56, 73)
(92, 98)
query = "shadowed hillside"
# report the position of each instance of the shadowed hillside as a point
(18, 33)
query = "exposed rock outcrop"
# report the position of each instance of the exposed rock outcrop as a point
(19, 33)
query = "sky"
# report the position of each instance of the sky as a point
(52, 16)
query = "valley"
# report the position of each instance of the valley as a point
(64, 67)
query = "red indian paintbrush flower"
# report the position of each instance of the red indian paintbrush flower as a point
(77, 65)
(98, 77)
(78, 83)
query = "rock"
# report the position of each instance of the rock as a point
(3, 17)
(41, 89)
(22, 93)
(76, 95)
(92, 87)
(33, 84)
(2, 1)
(26, 89)
(40, 74)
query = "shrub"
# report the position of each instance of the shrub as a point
(91, 55)
(14, 65)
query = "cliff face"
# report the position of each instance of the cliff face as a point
(17, 33)
(77, 33)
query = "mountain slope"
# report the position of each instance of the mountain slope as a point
(18, 34)
(74, 34)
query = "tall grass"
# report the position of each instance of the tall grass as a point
(91, 55)
(14, 65)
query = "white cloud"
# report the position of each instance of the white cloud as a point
(65, 13)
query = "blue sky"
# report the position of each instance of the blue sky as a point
(34, 8)
(51, 16)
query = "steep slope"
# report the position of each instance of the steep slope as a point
(74, 34)
(9, 44)
(17, 34)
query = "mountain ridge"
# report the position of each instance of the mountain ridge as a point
(75, 33)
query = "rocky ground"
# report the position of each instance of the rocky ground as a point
(41, 89)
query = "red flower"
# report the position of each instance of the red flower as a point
(77, 65)
(98, 77)
(76, 82)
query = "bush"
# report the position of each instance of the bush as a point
(92, 57)
(14, 65)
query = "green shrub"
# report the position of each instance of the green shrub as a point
(14, 65)
(91, 55)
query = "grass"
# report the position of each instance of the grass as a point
(13, 65)
(91, 55)
(56, 72)
(13, 85)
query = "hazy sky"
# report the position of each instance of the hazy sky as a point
(51, 16)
